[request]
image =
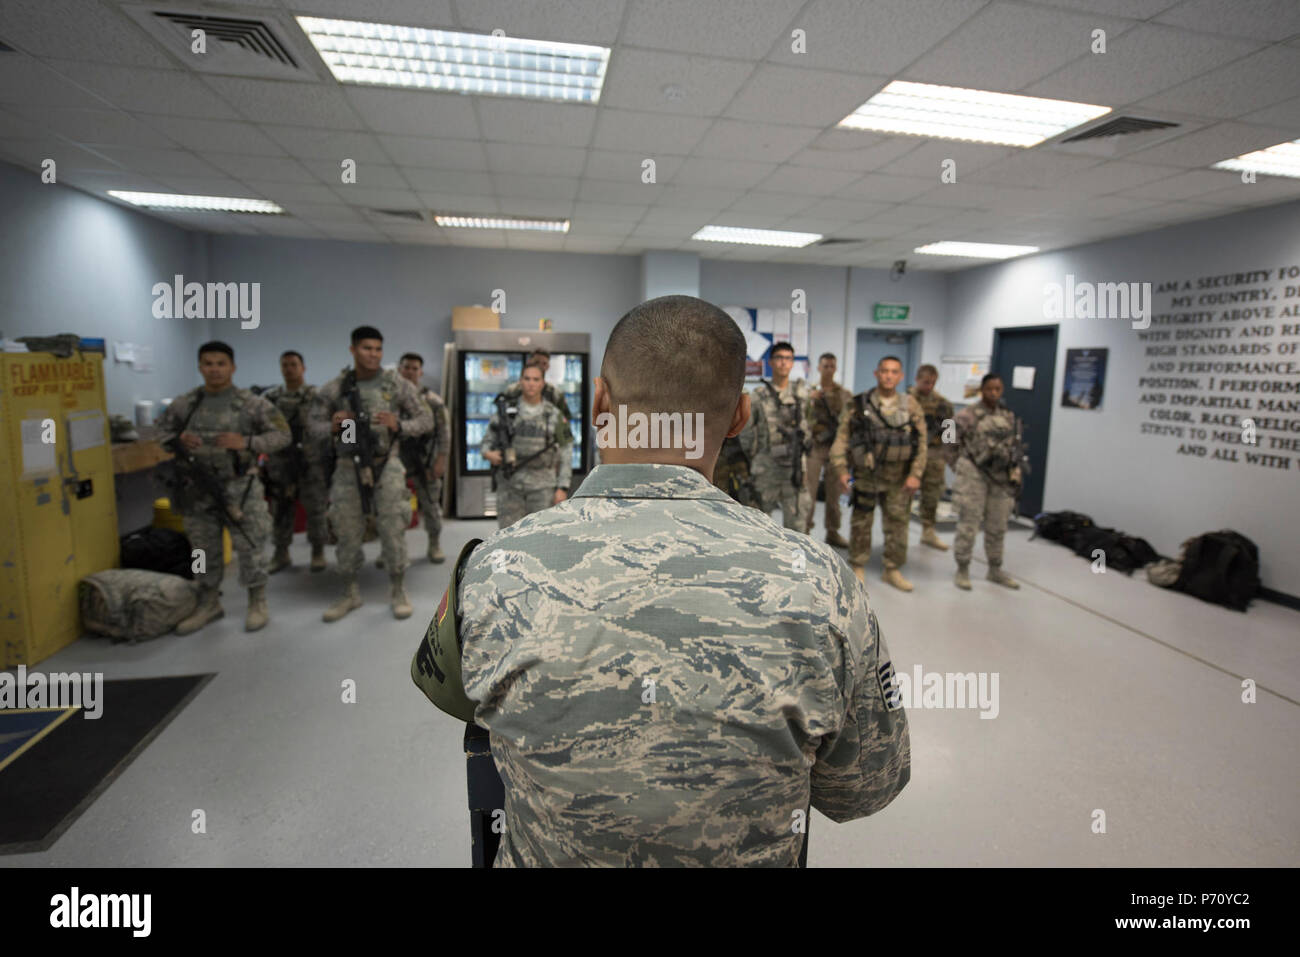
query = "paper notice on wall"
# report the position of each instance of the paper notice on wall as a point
(799, 334)
(143, 361)
(763, 323)
(755, 345)
(781, 326)
(740, 317)
(1022, 377)
(86, 430)
(123, 351)
(38, 455)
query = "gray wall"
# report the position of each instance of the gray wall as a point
(1099, 462)
(315, 292)
(73, 263)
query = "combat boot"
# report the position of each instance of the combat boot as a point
(318, 558)
(279, 560)
(860, 572)
(930, 537)
(257, 616)
(835, 539)
(962, 579)
(350, 599)
(894, 577)
(435, 551)
(996, 574)
(397, 597)
(209, 609)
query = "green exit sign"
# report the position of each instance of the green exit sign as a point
(890, 312)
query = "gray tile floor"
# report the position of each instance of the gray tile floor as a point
(1114, 695)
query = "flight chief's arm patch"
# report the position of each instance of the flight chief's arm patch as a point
(889, 689)
(435, 669)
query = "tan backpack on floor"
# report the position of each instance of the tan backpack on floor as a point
(132, 604)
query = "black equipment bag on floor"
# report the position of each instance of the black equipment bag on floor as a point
(1220, 567)
(1060, 526)
(1123, 552)
(157, 550)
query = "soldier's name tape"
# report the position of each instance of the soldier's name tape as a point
(33, 690)
(939, 689)
(653, 430)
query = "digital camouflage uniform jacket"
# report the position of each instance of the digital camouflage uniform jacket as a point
(394, 394)
(670, 678)
(250, 415)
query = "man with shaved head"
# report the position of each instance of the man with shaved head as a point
(666, 676)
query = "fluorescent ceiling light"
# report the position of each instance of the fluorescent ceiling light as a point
(1280, 160)
(954, 113)
(975, 250)
(755, 237)
(223, 204)
(502, 222)
(381, 54)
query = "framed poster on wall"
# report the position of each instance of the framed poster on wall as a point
(1085, 378)
(762, 328)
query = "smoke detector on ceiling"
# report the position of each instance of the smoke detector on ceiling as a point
(254, 45)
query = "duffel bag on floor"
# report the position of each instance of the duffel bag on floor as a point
(132, 604)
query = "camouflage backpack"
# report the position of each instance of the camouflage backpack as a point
(132, 604)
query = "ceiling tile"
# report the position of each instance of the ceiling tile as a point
(369, 175)
(77, 30)
(807, 179)
(1265, 189)
(460, 203)
(892, 189)
(545, 208)
(1212, 144)
(630, 194)
(1259, 80)
(1180, 184)
(535, 160)
(615, 166)
(882, 37)
(1007, 46)
(609, 212)
(554, 188)
(709, 200)
(783, 94)
(414, 112)
(442, 181)
(264, 168)
(734, 174)
(637, 79)
(1142, 62)
(27, 82)
(415, 13)
(1266, 20)
(650, 132)
(776, 204)
(743, 29)
(434, 153)
(349, 232)
(204, 186)
(176, 162)
(222, 136)
(548, 124)
(274, 101)
(929, 158)
(1285, 114)
(308, 190)
(864, 159)
(1137, 9)
(378, 197)
(1113, 176)
(306, 142)
(322, 213)
(100, 128)
(570, 21)
(172, 92)
(1033, 168)
(911, 214)
(757, 142)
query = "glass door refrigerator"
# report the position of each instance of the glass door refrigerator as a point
(485, 361)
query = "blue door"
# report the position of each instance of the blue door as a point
(1029, 348)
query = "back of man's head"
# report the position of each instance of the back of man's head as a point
(677, 354)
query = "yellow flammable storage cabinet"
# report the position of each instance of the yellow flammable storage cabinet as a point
(58, 511)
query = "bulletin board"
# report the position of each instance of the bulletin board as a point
(959, 377)
(761, 328)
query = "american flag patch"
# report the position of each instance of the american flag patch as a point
(889, 689)
(442, 609)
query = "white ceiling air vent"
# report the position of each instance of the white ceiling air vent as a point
(1111, 136)
(254, 45)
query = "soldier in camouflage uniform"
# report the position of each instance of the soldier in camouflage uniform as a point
(668, 678)
(529, 438)
(987, 456)
(290, 476)
(542, 358)
(779, 440)
(884, 434)
(392, 409)
(222, 429)
(425, 457)
(733, 474)
(938, 410)
(825, 405)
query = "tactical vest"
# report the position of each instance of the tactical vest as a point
(890, 438)
(292, 406)
(992, 443)
(936, 409)
(825, 421)
(237, 462)
(533, 435)
(789, 423)
(389, 387)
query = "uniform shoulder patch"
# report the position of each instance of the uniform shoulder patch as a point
(889, 689)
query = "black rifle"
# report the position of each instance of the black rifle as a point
(795, 436)
(739, 487)
(364, 453)
(504, 431)
(192, 471)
